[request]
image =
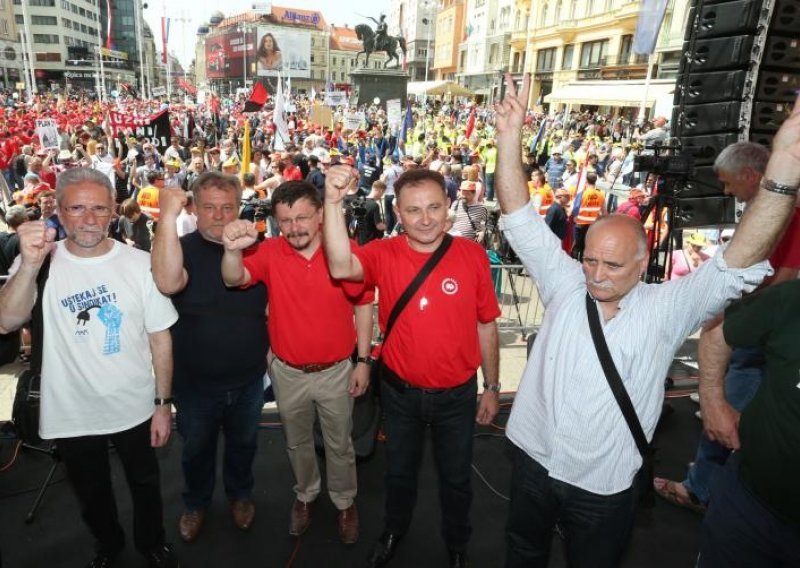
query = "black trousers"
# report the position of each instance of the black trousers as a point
(89, 472)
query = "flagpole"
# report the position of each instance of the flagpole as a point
(643, 106)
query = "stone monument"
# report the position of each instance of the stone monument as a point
(384, 84)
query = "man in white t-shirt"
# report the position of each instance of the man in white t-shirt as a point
(106, 332)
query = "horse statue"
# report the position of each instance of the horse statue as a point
(390, 44)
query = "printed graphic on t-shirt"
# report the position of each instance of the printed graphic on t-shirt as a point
(98, 305)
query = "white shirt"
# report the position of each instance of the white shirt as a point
(187, 223)
(564, 415)
(97, 373)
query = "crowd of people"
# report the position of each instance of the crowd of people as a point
(137, 250)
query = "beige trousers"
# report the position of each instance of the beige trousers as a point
(302, 395)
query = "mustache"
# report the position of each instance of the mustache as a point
(297, 234)
(602, 285)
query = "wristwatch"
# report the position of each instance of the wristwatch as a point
(366, 360)
(495, 387)
(163, 401)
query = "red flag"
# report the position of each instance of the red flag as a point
(164, 38)
(471, 123)
(257, 98)
(109, 41)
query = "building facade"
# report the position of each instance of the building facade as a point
(450, 32)
(11, 53)
(415, 20)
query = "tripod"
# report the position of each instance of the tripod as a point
(52, 451)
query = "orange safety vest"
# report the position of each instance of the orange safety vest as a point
(591, 206)
(547, 199)
(148, 201)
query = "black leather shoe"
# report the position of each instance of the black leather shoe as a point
(102, 560)
(383, 550)
(458, 558)
(162, 556)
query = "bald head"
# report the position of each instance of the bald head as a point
(624, 226)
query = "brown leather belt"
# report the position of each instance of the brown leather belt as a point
(310, 367)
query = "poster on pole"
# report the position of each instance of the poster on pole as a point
(283, 52)
(353, 120)
(47, 130)
(394, 114)
(335, 98)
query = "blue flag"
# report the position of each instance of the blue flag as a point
(537, 139)
(408, 123)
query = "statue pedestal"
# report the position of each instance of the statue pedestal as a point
(386, 84)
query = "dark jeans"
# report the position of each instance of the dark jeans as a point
(579, 242)
(451, 415)
(489, 179)
(200, 417)
(88, 469)
(739, 532)
(388, 211)
(742, 380)
(596, 527)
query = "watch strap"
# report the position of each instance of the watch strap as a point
(163, 401)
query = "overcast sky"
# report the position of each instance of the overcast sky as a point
(183, 34)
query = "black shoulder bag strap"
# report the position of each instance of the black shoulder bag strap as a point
(624, 401)
(37, 319)
(412, 288)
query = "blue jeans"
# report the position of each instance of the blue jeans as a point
(451, 415)
(489, 179)
(742, 380)
(596, 527)
(388, 211)
(199, 418)
(739, 532)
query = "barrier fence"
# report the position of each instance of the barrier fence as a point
(521, 310)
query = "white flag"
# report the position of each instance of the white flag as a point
(651, 14)
(279, 120)
(313, 94)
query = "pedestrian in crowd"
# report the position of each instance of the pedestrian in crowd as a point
(219, 377)
(450, 328)
(471, 216)
(740, 167)
(554, 169)
(589, 206)
(576, 460)
(106, 332)
(310, 377)
(133, 224)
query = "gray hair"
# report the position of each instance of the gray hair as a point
(16, 216)
(80, 176)
(216, 180)
(734, 158)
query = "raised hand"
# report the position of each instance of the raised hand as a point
(337, 180)
(171, 201)
(239, 234)
(35, 242)
(784, 163)
(510, 112)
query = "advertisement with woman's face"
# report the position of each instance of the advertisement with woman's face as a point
(283, 53)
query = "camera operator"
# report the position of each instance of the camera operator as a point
(255, 207)
(369, 172)
(373, 224)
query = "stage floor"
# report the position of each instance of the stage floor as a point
(56, 537)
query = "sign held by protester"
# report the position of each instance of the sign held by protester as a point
(47, 130)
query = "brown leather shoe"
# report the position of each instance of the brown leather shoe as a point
(190, 524)
(348, 524)
(300, 517)
(244, 513)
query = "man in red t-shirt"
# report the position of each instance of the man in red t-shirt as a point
(445, 332)
(312, 335)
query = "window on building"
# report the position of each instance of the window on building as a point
(82, 12)
(543, 15)
(546, 59)
(52, 57)
(589, 7)
(44, 3)
(625, 46)
(573, 9)
(4, 27)
(44, 20)
(593, 54)
(569, 53)
(333, 61)
(45, 38)
(493, 54)
(312, 58)
(19, 19)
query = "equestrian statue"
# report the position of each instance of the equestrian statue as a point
(379, 40)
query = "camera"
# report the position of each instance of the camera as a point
(679, 165)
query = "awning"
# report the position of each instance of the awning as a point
(436, 88)
(611, 93)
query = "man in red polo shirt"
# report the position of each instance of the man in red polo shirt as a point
(446, 331)
(312, 335)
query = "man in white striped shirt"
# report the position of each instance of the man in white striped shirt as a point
(577, 460)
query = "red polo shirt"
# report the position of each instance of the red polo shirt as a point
(434, 343)
(310, 313)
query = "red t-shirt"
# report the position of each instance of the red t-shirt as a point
(434, 343)
(787, 251)
(310, 313)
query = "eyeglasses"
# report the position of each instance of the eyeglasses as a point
(80, 210)
(300, 220)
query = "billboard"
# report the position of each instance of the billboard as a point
(225, 54)
(283, 52)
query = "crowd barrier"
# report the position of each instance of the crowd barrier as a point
(521, 310)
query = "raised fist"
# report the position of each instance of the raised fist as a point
(337, 180)
(239, 234)
(36, 241)
(171, 201)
